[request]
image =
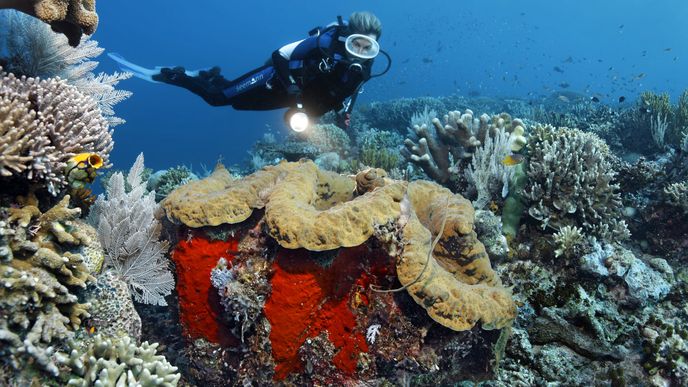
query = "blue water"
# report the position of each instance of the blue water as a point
(489, 47)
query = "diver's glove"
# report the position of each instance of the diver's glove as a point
(173, 76)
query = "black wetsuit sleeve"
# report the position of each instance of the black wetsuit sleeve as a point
(281, 65)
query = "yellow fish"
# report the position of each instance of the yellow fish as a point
(513, 159)
(91, 160)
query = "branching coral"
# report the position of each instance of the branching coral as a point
(30, 48)
(102, 361)
(571, 182)
(43, 123)
(437, 149)
(41, 269)
(677, 195)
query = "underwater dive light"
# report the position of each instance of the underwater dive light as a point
(297, 118)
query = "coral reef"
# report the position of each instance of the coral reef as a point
(117, 361)
(571, 183)
(379, 149)
(112, 309)
(677, 195)
(42, 268)
(43, 123)
(440, 148)
(130, 235)
(31, 49)
(326, 138)
(164, 182)
(305, 210)
(70, 17)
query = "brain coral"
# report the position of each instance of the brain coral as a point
(318, 210)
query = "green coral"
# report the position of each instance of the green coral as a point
(164, 182)
(103, 361)
(657, 104)
(665, 343)
(327, 138)
(379, 149)
(654, 105)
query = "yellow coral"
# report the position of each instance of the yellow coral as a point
(318, 210)
(458, 287)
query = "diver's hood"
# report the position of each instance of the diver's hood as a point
(361, 46)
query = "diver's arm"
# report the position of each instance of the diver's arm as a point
(281, 65)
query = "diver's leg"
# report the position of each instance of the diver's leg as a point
(208, 84)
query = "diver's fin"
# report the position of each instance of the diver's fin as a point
(138, 71)
(142, 72)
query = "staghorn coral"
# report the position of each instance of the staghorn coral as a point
(316, 210)
(42, 267)
(571, 183)
(70, 17)
(102, 361)
(43, 123)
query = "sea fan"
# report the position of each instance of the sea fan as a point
(129, 233)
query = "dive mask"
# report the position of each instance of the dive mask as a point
(361, 46)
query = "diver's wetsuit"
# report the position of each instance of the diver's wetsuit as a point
(295, 72)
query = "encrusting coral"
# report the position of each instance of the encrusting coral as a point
(317, 210)
(70, 17)
(43, 123)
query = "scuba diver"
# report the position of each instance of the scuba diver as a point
(322, 73)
